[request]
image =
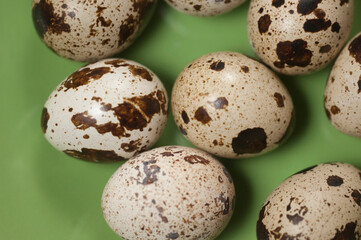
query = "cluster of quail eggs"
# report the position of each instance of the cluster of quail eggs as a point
(224, 103)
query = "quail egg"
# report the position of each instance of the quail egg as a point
(106, 111)
(169, 192)
(231, 106)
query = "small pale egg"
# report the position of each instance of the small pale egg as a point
(342, 98)
(299, 37)
(169, 192)
(106, 111)
(204, 8)
(231, 106)
(321, 202)
(90, 30)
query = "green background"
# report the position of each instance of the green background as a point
(48, 195)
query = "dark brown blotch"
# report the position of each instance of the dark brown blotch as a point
(355, 49)
(140, 71)
(94, 155)
(202, 116)
(150, 170)
(356, 195)
(132, 146)
(293, 54)
(83, 77)
(197, 7)
(226, 204)
(245, 69)
(252, 140)
(325, 49)
(279, 99)
(263, 23)
(44, 120)
(359, 85)
(127, 29)
(335, 110)
(334, 181)
(219, 103)
(185, 117)
(294, 219)
(320, 13)
(167, 154)
(46, 20)
(335, 27)
(182, 130)
(342, 2)
(116, 63)
(217, 66)
(172, 235)
(278, 3)
(195, 159)
(305, 7)
(262, 232)
(316, 25)
(346, 233)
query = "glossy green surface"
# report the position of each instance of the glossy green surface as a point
(48, 195)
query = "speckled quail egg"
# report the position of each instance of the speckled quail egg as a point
(299, 37)
(204, 8)
(90, 30)
(342, 98)
(169, 192)
(321, 202)
(232, 106)
(106, 111)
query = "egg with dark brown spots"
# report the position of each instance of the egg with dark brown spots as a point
(299, 37)
(342, 97)
(171, 192)
(321, 202)
(232, 106)
(90, 30)
(204, 8)
(106, 111)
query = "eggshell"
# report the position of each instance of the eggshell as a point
(299, 37)
(169, 193)
(321, 202)
(232, 106)
(204, 8)
(342, 98)
(90, 30)
(106, 111)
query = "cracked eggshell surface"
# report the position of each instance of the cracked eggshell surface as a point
(204, 8)
(90, 30)
(342, 98)
(300, 209)
(299, 37)
(106, 111)
(169, 192)
(232, 106)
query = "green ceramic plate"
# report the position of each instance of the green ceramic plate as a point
(48, 195)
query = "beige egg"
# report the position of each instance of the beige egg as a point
(106, 111)
(232, 106)
(90, 30)
(321, 202)
(299, 37)
(342, 98)
(169, 192)
(204, 8)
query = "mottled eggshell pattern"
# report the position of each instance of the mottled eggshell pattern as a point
(232, 106)
(90, 30)
(106, 111)
(170, 192)
(321, 202)
(204, 8)
(299, 37)
(342, 98)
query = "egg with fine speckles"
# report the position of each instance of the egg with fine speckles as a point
(106, 111)
(88, 31)
(342, 97)
(299, 37)
(171, 192)
(231, 106)
(321, 202)
(204, 8)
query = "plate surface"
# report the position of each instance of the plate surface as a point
(48, 195)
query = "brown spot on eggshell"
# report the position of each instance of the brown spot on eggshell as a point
(202, 116)
(325, 49)
(116, 63)
(278, 3)
(101, 19)
(219, 103)
(83, 77)
(279, 99)
(342, 2)
(46, 20)
(316, 25)
(346, 232)
(245, 69)
(217, 66)
(263, 23)
(262, 232)
(226, 204)
(334, 181)
(195, 159)
(356, 195)
(320, 13)
(150, 170)
(126, 29)
(172, 235)
(132, 146)
(359, 85)
(335, 110)
(44, 120)
(94, 155)
(355, 49)
(197, 7)
(167, 154)
(294, 219)
(335, 27)
(252, 140)
(185, 117)
(306, 7)
(140, 71)
(293, 53)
